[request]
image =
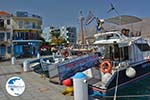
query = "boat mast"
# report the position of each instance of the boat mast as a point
(81, 25)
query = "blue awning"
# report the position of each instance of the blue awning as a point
(17, 41)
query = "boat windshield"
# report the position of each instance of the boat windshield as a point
(114, 53)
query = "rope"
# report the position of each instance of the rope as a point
(116, 85)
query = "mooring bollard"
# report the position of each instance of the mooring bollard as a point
(80, 87)
(13, 60)
(26, 66)
(38, 55)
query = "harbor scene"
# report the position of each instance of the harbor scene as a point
(74, 50)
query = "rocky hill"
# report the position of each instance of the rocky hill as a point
(142, 28)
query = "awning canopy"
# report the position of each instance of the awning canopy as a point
(17, 41)
(123, 20)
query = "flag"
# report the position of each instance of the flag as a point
(89, 18)
(111, 8)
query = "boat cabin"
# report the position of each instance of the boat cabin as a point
(115, 46)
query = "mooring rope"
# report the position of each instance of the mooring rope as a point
(116, 88)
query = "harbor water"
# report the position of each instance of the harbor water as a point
(140, 90)
(137, 91)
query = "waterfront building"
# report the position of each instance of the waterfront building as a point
(67, 32)
(70, 34)
(46, 34)
(22, 33)
(5, 34)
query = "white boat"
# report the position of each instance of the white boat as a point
(125, 60)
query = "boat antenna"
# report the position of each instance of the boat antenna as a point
(112, 8)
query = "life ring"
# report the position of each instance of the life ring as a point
(66, 54)
(79, 53)
(105, 67)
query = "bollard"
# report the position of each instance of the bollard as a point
(80, 87)
(53, 55)
(38, 55)
(26, 66)
(13, 60)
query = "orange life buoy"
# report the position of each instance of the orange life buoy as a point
(79, 53)
(105, 67)
(66, 54)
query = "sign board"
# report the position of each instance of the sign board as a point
(68, 69)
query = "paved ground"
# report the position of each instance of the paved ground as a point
(37, 88)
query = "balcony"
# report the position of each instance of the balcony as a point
(5, 27)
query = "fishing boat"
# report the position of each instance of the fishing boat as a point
(125, 60)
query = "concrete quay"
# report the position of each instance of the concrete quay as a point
(37, 88)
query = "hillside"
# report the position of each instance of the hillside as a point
(142, 27)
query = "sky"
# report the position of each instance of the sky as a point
(66, 12)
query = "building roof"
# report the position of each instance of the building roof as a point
(3, 13)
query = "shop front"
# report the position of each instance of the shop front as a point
(25, 48)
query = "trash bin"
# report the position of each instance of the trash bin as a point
(26, 66)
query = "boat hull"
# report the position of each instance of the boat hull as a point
(142, 71)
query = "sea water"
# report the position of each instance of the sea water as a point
(136, 91)
(141, 87)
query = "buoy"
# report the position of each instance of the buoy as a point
(148, 58)
(66, 53)
(79, 53)
(130, 72)
(68, 91)
(105, 67)
(67, 82)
